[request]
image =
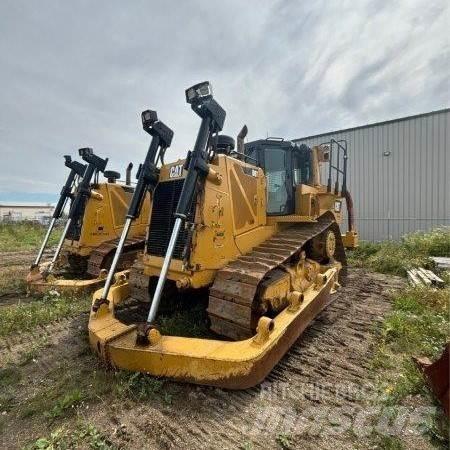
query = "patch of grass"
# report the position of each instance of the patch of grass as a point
(396, 257)
(418, 325)
(387, 442)
(433, 243)
(409, 381)
(24, 317)
(9, 376)
(33, 352)
(84, 436)
(381, 358)
(419, 322)
(247, 446)
(284, 441)
(437, 429)
(138, 386)
(71, 399)
(189, 322)
(7, 401)
(60, 397)
(12, 280)
(24, 236)
(365, 249)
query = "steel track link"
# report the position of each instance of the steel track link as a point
(233, 301)
(139, 282)
(99, 257)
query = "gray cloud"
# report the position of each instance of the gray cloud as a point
(78, 74)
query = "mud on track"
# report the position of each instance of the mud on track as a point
(323, 382)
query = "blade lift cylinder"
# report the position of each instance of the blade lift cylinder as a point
(213, 118)
(76, 170)
(95, 165)
(148, 176)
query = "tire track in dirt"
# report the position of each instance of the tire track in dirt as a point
(22, 257)
(14, 346)
(329, 367)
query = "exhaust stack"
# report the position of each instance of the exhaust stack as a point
(240, 139)
(128, 174)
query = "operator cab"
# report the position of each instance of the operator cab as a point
(286, 166)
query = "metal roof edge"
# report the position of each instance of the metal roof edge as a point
(369, 125)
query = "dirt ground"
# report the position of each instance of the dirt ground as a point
(319, 396)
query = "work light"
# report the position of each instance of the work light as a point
(85, 152)
(148, 117)
(199, 92)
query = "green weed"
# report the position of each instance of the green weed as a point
(33, 352)
(189, 321)
(24, 236)
(418, 325)
(284, 441)
(64, 393)
(84, 436)
(247, 446)
(387, 442)
(419, 322)
(437, 429)
(396, 257)
(9, 376)
(64, 404)
(137, 385)
(12, 280)
(23, 317)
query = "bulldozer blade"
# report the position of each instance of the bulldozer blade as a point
(34, 275)
(226, 364)
(41, 286)
(437, 376)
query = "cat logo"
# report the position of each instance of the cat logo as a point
(176, 171)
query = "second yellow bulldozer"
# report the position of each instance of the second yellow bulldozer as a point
(94, 224)
(255, 226)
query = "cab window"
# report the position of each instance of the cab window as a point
(276, 169)
(302, 165)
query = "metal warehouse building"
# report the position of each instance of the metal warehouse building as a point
(398, 173)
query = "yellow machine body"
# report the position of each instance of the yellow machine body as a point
(231, 212)
(231, 230)
(104, 217)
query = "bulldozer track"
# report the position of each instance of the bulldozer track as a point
(139, 282)
(233, 301)
(101, 257)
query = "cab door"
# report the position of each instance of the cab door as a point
(278, 170)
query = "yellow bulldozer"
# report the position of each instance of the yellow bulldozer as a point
(94, 224)
(253, 226)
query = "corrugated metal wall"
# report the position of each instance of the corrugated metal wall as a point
(406, 191)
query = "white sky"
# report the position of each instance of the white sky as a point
(77, 74)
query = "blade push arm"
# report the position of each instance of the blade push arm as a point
(147, 179)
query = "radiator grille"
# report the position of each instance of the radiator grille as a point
(165, 201)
